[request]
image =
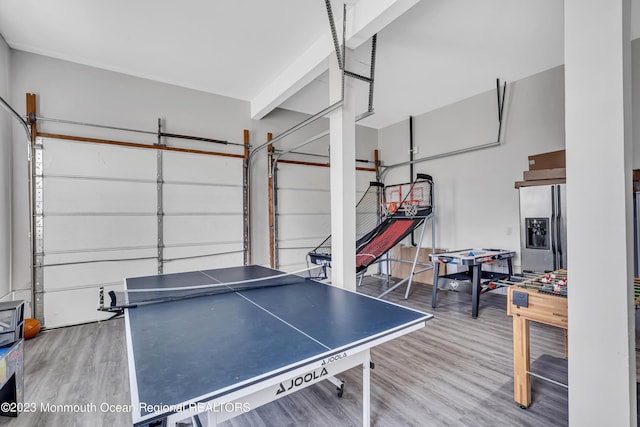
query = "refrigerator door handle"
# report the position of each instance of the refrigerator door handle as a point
(554, 226)
(559, 227)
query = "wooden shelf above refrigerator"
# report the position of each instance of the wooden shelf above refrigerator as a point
(537, 182)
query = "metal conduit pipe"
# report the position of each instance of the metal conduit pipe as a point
(331, 108)
(307, 142)
(439, 156)
(10, 109)
(324, 156)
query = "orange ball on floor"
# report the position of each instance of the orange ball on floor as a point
(31, 328)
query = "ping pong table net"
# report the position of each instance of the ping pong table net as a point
(132, 298)
(384, 217)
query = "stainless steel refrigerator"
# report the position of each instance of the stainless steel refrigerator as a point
(543, 228)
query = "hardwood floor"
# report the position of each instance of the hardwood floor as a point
(455, 372)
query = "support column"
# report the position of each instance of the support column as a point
(602, 379)
(342, 134)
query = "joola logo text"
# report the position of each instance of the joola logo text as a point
(333, 358)
(302, 379)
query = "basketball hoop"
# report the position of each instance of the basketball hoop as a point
(410, 198)
(411, 207)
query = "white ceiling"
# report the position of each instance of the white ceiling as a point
(232, 48)
(436, 53)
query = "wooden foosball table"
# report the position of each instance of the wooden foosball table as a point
(541, 299)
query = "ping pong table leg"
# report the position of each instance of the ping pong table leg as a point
(434, 291)
(338, 383)
(476, 272)
(366, 386)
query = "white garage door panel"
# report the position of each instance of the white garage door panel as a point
(190, 198)
(306, 242)
(363, 178)
(98, 232)
(95, 274)
(201, 168)
(303, 176)
(304, 210)
(63, 257)
(173, 252)
(202, 229)
(203, 205)
(101, 224)
(206, 263)
(297, 226)
(292, 254)
(293, 259)
(98, 160)
(63, 195)
(71, 307)
(298, 201)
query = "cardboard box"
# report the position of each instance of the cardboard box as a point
(403, 269)
(558, 173)
(551, 160)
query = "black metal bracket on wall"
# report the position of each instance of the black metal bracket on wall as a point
(501, 96)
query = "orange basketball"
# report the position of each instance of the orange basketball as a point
(31, 328)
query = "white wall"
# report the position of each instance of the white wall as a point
(5, 176)
(476, 202)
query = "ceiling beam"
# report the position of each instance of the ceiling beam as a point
(368, 18)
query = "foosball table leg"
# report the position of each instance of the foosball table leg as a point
(521, 362)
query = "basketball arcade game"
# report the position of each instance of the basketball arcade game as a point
(402, 209)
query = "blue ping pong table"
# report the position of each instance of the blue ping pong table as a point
(214, 357)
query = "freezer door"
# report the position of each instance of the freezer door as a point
(561, 226)
(636, 226)
(537, 228)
